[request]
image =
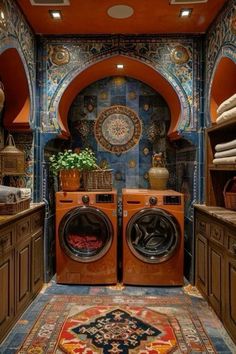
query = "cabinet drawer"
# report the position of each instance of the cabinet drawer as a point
(217, 233)
(231, 244)
(201, 225)
(7, 239)
(23, 229)
(37, 220)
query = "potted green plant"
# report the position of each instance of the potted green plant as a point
(67, 165)
(87, 160)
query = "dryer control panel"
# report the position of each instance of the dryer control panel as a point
(171, 200)
(104, 198)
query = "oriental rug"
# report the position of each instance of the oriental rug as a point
(119, 324)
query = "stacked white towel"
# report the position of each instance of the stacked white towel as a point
(25, 192)
(225, 153)
(9, 195)
(227, 110)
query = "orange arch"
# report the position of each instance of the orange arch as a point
(223, 84)
(17, 97)
(132, 68)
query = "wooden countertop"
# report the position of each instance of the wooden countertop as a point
(5, 219)
(222, 214)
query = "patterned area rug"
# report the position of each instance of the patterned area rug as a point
(119, 324)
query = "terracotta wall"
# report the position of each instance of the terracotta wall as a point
(18, 74)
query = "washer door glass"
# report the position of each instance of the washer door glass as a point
(85, 234)
(153, 235)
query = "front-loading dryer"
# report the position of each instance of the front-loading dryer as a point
(86, 237)
(153, 237)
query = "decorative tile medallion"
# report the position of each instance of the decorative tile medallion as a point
(132, 163)
(146, 151)
(179, 55)
(132, 95)
(118, 129)
(59, 55)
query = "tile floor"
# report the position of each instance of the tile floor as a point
(13, 341)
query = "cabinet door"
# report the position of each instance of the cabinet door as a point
(23, 274)
(6, 292)
(216, 278)
(230, 296)
(201, 263)
(37, 261)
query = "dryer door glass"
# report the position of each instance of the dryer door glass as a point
(85, 234)
(153, 235)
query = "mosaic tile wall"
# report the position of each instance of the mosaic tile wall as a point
(130, 168)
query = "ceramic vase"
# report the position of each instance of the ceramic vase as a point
(158, 174)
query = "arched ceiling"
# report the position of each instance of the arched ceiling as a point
(132, 68)
(150, 16)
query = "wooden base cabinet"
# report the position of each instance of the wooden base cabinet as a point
(215, 261)
(230, 295)
(21, 263)
(7, 308)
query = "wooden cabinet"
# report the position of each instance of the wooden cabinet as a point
(37, 261)
(215, 232)
(230, 295)
(215, 261)
(7, 308)
(215, 277)
(21, 263)
(22, 274)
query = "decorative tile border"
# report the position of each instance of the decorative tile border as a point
(220, 42)
(84, 51)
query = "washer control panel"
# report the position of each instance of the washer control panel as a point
(172, 200)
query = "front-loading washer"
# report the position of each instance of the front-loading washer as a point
(153, 237)
(86, 237)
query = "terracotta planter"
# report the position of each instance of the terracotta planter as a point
(70, 180)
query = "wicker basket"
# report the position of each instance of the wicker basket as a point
(14, 208)
(97, 180)
(230, 194)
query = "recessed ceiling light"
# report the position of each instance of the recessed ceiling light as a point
(120, 66)
(185, 12)
(55, 14)
(120, 11)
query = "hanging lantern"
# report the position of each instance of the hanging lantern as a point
(12, 159)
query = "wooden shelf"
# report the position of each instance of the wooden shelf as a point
(216, 175)
(222, 167)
